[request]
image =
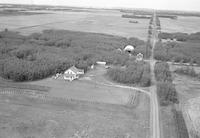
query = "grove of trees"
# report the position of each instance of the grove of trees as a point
(165, 88)
(40, 55)
(193, 37)
(178, 52)
(188, 71)
(133, 73)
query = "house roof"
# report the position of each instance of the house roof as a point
(76, 70)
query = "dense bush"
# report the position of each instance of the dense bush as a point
(133, 73)
(166, 93)
(136, 16)
(178, 52)
(162, 72)
(22, 70)
(194, 37)
(165, 88)
(189, 71)
(40, 55)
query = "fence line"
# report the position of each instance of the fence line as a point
(44, 98)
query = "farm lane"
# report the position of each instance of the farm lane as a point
(123, 86)
(154, 100)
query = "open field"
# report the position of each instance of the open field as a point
(86, 90)
(101, 21)
(187, 87)
(83, 107)
(55, 115)
(25, 117)
(188, 93)
(193, 114)
(182, 24)
(89, 88)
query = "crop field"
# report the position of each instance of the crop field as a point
(23, 116)
(100, 21)
(88, 107)
(182, 24)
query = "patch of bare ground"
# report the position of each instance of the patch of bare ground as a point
(24, 116)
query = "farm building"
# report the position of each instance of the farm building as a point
(139, 57)
(73, 73)
(101, 63)
(119, 50)
(129, 48)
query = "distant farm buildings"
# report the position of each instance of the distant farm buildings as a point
(73, 73)
(169, 40)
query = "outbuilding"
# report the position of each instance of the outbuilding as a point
(129, 48)
(139, 57)
(101, 63)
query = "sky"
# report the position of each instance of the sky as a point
(188, 5)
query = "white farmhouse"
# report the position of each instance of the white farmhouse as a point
(73, 73)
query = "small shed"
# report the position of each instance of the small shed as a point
(101, 63)
(73, 73)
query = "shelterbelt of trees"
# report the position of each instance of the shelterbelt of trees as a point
(134, 73)
(193, 37)
(186, 52)
(188, 71)
(165, 88)
(167, 95)
(39, 55)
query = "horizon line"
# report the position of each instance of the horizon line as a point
(94, 7)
